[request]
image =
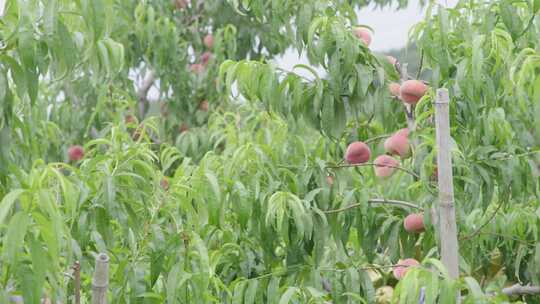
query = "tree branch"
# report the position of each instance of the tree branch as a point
(420, 65)
(377, 138)
(517, 289)
(376, 201)
(373, 164)
(142, 92)
(477, 231)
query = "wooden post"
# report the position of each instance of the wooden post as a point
(447, 214)
(77, 282)
(100, 281)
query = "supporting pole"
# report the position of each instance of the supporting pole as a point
(447, 214)
(77, 282)
(100, 281)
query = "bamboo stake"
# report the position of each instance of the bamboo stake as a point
(77, 282)
(447, 216)
(100, 281)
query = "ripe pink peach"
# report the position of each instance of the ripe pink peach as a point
(392, 60)
(414, 223)
(330, 180)
(196, 68)
(385, 165)
(205, 57)
(412, 90)
(398, 144)
(357, 153)
(363, 34)
(208, 41)
(75, 153)
(404, 265)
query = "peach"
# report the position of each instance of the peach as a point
(203, 106)
(363, 34)
(398, 144)
(403, 132)
(403, 267)
(392, 60)
(414, 223)
(75, 153)
(183, 128)
(208, 41)
(357, 153)
(205, 57)
(196, 68)
(394, 89)
(164, 184)
(330, 180)
(130, 119)
(180, 4)
(385, 165)
(412, 90)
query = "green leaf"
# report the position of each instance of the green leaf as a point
(7, 202)
(287, 296)
(238, 293)
(15, 234)
(39, 264)
(474, 287)
(251, 292)
(272, 291)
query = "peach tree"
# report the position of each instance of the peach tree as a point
(163, 134)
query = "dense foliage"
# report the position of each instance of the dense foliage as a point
(230, 186)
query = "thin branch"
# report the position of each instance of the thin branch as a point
(377, 138)
(477, 231)
(376, 201)
(511, 156)
(420, 65)
(373, 164)
(518, 290)
(142, 92)
(526, 29)
(394, 202)
(508, 237)
(302, 267)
